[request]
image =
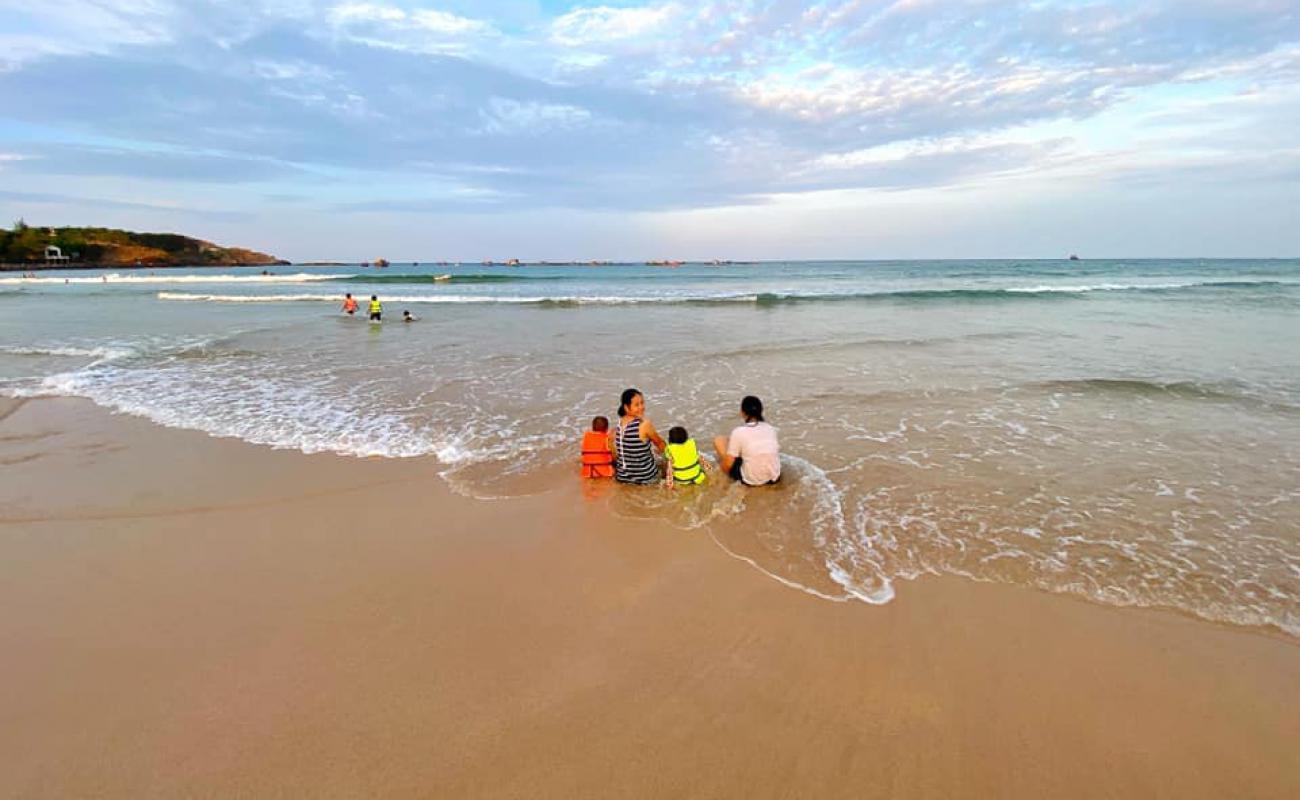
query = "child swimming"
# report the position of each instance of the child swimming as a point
(597, 457)
(683, 458)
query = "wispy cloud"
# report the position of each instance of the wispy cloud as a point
(64, 200)
(602, 25)
(637, 106)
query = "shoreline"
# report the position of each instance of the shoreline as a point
(247, 620)
(43, 267)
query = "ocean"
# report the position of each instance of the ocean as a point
(1127, 431)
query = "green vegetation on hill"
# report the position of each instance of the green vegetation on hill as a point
(25, 245)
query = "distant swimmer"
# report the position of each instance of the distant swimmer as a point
(376, 310)
(406, 317)
(349, 305)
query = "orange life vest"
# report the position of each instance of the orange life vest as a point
(597, 460)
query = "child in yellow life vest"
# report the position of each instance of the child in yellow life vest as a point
(597, 457)
(684, 465)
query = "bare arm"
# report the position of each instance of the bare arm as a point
(648, 432)
(724, 460)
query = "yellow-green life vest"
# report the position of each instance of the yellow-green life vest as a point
(685, 459)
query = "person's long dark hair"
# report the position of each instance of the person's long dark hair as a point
(625, 400)
(752, 408)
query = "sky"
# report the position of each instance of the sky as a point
(740, 129)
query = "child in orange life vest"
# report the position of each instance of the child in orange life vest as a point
(597, 457)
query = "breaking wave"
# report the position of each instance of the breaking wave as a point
(761, 299)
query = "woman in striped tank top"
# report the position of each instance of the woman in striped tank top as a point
(634, 460)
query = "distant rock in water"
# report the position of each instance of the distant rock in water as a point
(27, 247)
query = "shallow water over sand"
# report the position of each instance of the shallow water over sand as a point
(1125, 431)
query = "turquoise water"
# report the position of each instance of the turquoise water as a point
(1127, 431)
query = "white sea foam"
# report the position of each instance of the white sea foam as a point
(449, 298)
(102, 353)
(257, 410)
(1100, 287)
(1130, 287)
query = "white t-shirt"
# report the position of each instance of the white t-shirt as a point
(755, 443)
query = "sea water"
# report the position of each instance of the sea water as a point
(1126, 431)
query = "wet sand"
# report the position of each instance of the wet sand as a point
(188, 616)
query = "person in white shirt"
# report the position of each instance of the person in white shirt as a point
(751, 454)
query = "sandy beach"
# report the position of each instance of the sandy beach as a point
(190, 616)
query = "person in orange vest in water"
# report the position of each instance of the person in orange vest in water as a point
(349, 305)
(597, 457)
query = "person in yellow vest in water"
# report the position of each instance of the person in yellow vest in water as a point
(683, 456)
(376, 310)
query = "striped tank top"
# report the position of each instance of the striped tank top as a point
(636, 460)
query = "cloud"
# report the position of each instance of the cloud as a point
(427, 19)
(603, 24)
(56, 199)
(39, 30)
(658, 105)
(426, 30)
(530, 118)
(158, 165)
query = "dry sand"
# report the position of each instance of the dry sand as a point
(183, 616)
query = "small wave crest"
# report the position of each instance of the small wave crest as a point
(446, 278)
(542, 302)
(976, 294)
(761, 299)
(102, 353)
(1223, 392)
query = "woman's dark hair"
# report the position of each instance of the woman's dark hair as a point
(677, 435)
(625, 400)
(752, 408)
